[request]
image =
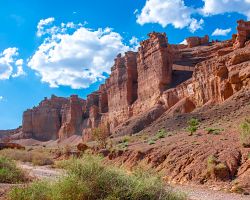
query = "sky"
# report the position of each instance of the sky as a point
(68, 47)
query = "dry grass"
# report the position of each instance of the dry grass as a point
(36, 157)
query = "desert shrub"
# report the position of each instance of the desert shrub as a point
(215, 131)
(216, 169)
(245, 133)
(151, 141)
(88, 178)
(101, 135)
(126, 139)
(192, 125)
(123, 145)
(10, 173)
(161, 133)
(35, 157)
(40, 159)
(37, 190)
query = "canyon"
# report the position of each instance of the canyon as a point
(160, 88)
(159, 78)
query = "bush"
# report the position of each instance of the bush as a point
(216, 169)
(161, 133)
(215, 131)
(192, 125)
(101, 135)
(245, 133)
(10, 173)
(88, 178)
(38, 190)
(150, 142)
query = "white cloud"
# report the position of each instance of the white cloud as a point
(165, 12)
(9, 64)
(176, 13)
(43, 23)
(196, 25)
(78, 57)
(221, 32)
(1, 98)
(20, 71)
(134, 42)
(214, 7)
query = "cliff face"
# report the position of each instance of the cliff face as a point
(51, 117)
(160, 78)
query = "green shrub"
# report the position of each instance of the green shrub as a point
(10, 173)
(161, 133)
(88, 178)
(215, 131)
(150, 142)
(192, 125)
(37, 190)
(126, 139)
(245, 133)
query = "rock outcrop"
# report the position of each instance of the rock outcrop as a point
(51, 115)
(243, 34)
(197, 41)
(160, 78)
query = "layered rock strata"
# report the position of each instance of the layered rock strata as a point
(160, 78)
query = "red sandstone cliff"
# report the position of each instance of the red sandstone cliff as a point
(160, 78)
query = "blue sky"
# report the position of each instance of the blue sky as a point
(67, 47)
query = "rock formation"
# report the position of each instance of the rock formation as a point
(243, 34)
(197, 41)
(51, 115)
(160, 78)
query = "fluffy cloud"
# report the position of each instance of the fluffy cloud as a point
(43, 24)
(73, 55)
(214, 7)
(165, 12)
(9, 64)
(195, 25)
(1, 98)
(175, 12)
(221, 32)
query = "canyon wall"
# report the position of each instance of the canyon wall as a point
(160, 78)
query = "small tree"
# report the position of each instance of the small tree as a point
(192, 125)
(101, 135)
(245, 133)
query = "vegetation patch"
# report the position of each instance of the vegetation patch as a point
(245, 133)
(161, 133)
(193, 125)
(88, 178)
(214, 131)
(101, 135)
(35, 157)
(216, 169)
(10, 173)
(150, 142)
